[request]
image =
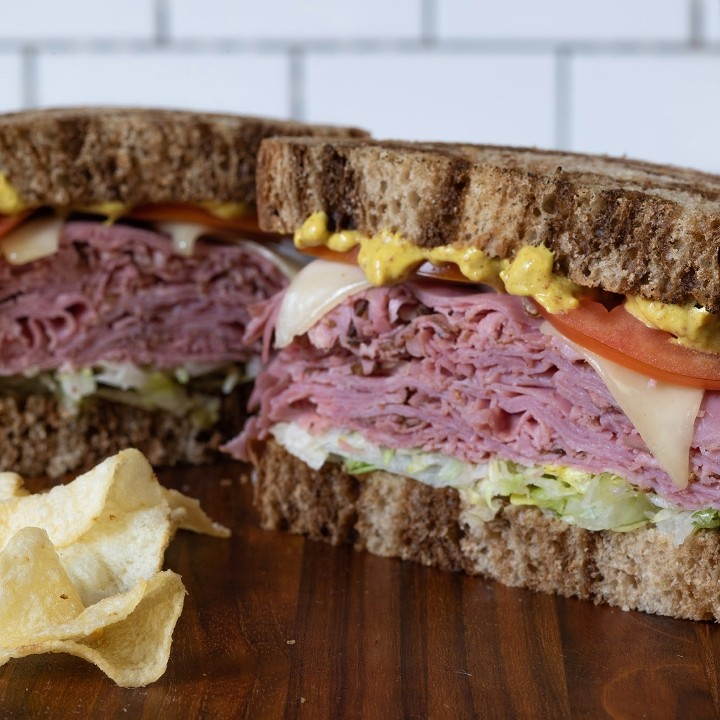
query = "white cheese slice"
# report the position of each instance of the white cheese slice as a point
(664, 414)
(276, 254)
(314, 291)
(184, 235)
(32, 240)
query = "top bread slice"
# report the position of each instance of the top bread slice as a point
(86, 156)
(625, 226)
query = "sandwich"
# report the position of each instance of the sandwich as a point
(503, 361)
(130, 257)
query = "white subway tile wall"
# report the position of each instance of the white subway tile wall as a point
(436, 96)
(667, 107)
(11, 86)
(298, 21)
(637, 77)
(33, 20)
(710, 21)
(566, 20)
(231, 82)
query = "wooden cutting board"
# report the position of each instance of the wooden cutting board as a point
(275, 626)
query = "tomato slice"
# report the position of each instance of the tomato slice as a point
(10, 222)
(618, 336)
(175, 212)
(320, 251)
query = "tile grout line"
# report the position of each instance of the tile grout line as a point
(428, 22)
(696, 21)
(563, 99)
(362, 46)
(29, 77)
(162, 22)
(296, 101)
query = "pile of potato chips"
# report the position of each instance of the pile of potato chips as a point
(80, 568)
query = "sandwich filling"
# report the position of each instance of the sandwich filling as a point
(454, 385)
(147, 314)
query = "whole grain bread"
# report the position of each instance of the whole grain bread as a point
(84, 156)
(39, 437)
(399, 517)
(626, 226)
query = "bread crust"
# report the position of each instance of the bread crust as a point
(85, 156)
(395, 516)
(625, 226)
(38, 437)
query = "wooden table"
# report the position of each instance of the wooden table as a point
(275, 626)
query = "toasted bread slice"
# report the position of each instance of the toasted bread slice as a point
(625, 226)
(522, 546)
(38, 436)
(87, 156)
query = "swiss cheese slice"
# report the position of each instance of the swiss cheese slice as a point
(32, 240)
(664, 414)
(314, 292)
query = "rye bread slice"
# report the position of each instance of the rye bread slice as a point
(84, 156)
(394, 516)
(39, 437)
(625, 226)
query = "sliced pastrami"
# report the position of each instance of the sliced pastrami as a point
(468, 374)
(121, 293)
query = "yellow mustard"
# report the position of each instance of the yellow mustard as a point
(387, 257)
(530, 274)
(693, 326)
(10, 200)
(112, 209)
(226, 210)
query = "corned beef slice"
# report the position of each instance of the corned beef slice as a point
(120, 293)
(468, 374)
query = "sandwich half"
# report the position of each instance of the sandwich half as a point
(129, 256)
(505, 362)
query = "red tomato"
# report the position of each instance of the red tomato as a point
(618, 336)
(10, 222)
(171, 212)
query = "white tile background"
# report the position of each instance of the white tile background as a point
(635, 77)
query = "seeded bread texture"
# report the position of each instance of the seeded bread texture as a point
(84, 156)
(38, 437)
(626, 226)
(398, 517)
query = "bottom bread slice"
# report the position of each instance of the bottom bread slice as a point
(395, 516)
(38, 437)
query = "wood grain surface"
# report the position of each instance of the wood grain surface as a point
(278, 627)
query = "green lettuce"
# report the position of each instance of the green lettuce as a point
(358, 467)
(602, 501)
(707, 519)
(185, 392)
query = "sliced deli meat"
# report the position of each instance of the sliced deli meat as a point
(470, 375)
(120, 293)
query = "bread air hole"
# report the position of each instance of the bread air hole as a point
(549, 203)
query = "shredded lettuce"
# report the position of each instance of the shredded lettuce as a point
(191, 391)
(707, 519)
(602, 501)
(358, 467)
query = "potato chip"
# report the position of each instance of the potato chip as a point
(127, 636)
(80, 568)
(11, 485)
(35, 590)
(188, 515)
